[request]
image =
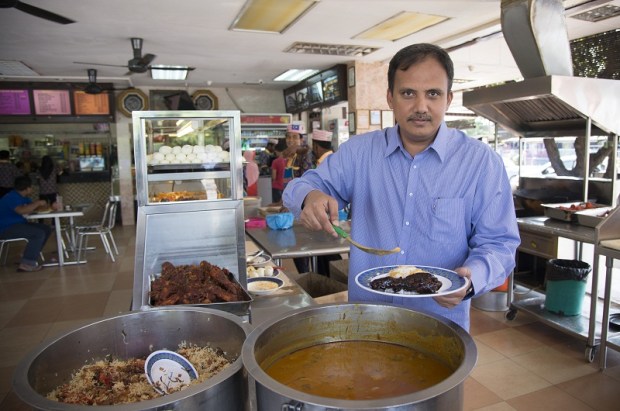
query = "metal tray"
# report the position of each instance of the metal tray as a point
(554, 211)
(171, 168)
(592, 217)
(240, 308)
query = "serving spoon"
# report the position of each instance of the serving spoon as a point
(370, 250)
(254, 256)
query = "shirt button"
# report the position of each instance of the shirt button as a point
(406, 222)
(410, 194)
(402, 252)
(415, 166)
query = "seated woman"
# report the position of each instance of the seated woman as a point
(13, 206)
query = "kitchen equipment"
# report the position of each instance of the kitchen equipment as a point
(137, 334)
(566, 211)
(371, 322)
(364, 248)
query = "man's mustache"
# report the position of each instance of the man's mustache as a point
(419, 118)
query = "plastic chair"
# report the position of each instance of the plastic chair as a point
(103, 230)
(4, 251)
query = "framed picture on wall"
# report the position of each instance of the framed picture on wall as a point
(352, 122)
(363, 119)
(375, 117)
(387, 118)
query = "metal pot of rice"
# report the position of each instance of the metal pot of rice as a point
(359, 357)
(132, 336)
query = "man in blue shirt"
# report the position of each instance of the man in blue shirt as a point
(442, 197)
(13, 206)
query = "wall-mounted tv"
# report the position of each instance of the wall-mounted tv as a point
(52, 102)
(14, 102)
(321, 90)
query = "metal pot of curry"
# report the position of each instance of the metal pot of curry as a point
(359, 357)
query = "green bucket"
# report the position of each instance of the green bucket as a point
(565, 297)
(566, 286)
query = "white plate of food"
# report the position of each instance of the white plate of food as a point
(430, 281)
(168, 371)
(264, 285)
(260, 261)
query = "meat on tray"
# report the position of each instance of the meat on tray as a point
(195, 284)
(420, 282)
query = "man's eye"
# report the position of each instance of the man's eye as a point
(434, 93)
(407, 93)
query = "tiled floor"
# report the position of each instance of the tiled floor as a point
(522, 364)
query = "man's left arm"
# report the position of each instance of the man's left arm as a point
(492, 243)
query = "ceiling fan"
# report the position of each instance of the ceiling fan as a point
(35, 11)
(138, 64)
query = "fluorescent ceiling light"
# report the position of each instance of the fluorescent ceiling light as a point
(15, 68)
(186, 129)
(272, 16)
(295, 74)
(400, 25)
(162, 72)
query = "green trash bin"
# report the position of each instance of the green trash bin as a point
(566, 286)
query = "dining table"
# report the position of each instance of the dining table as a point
(57, 215)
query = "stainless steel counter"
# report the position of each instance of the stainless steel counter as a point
(547, 226)
(544, 244)
(296, 242)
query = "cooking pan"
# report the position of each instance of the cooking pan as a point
(532, 199)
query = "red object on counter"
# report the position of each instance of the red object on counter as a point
(256, 222)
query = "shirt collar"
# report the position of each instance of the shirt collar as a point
(440, 145)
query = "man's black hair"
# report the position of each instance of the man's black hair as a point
(414, 54)
(22, 183)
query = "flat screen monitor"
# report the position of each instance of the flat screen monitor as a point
(14, 102)
(52, 102)
(179, 101)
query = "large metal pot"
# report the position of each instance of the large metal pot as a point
(136, 334)
(342, 322)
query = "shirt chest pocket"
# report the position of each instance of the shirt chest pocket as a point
(448, 220)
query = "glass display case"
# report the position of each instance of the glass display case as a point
(189, 188)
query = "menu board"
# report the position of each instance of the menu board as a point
(14, 102)
(91, 104)
(51, 102)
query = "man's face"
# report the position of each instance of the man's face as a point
(420, 100)
(293, 139)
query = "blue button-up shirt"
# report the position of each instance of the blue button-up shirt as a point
(449, 206)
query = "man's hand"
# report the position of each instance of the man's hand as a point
(454, 299)
(319, 211)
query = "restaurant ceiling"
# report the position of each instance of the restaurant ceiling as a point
(196, 33)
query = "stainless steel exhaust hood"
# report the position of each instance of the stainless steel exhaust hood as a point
(550, 101)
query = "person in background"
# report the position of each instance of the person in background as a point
(322, 148)
(297, 154)
(13, 206)
(265, 157)
(251, 173)
(441, 196)
(298, 161)
(321, 145)
(47, 176)
(8, 172)
(277, 172)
